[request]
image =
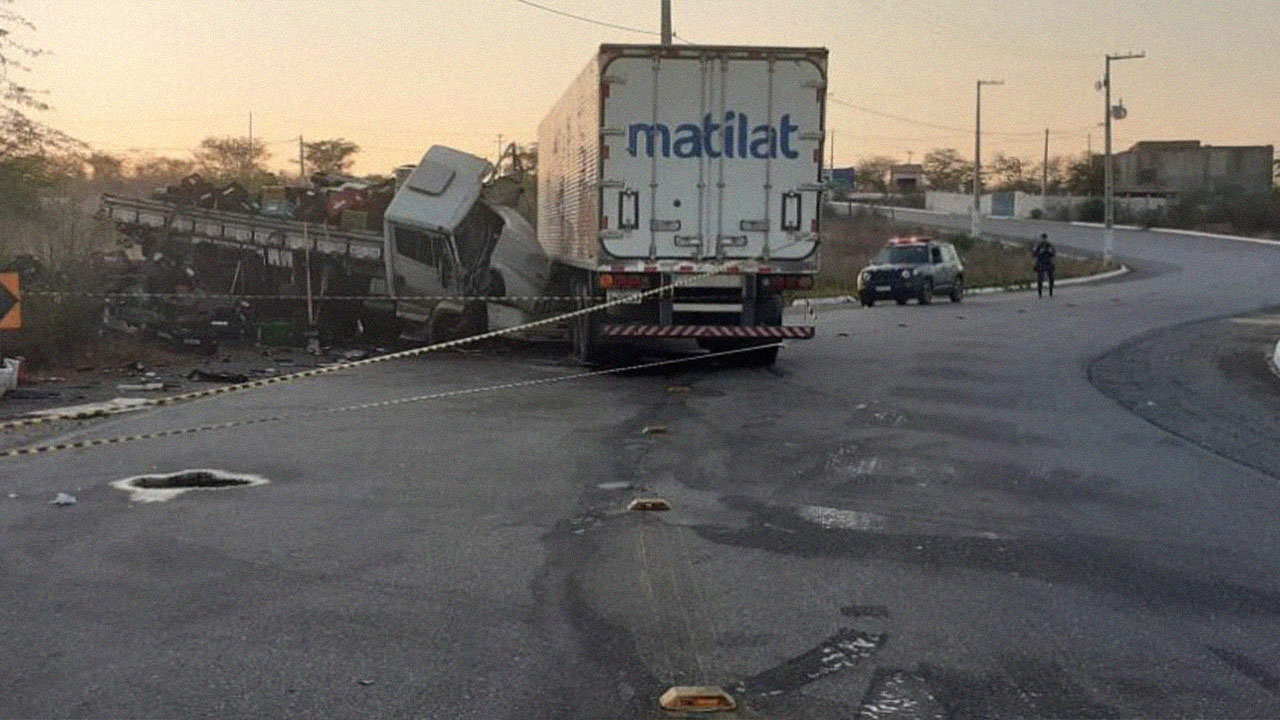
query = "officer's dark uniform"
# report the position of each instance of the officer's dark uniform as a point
(1044, 253)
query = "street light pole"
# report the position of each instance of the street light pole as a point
(1044, 176)
(1108, 172)
(975, 219)
(666, 22)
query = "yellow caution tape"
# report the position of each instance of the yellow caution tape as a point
(120, 439)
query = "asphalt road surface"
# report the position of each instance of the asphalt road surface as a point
(1011, 507)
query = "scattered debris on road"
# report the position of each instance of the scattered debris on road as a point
(140, 387)
(217, 376)
(63, 499)
(654, 430)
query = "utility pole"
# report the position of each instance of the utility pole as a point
(1109, 234)
(248, 160)
(666, 22)
(1044, 176)
(302, 165)
(975, 220)
(832, 166)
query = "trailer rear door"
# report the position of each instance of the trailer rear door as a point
(711, 152)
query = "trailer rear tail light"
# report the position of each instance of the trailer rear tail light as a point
(627, 281)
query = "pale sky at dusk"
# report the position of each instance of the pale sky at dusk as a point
(397, 76)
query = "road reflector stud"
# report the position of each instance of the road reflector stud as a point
(654, 430)
(649, 505)
(704, 698)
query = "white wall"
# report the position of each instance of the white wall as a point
(1024, 203)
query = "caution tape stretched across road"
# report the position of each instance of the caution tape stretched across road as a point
(316, 298)
(121, 439)
(350, 364)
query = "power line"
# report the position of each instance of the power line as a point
(593, 21)
(601, 23)
(937, 126)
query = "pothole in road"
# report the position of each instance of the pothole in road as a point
(158, 487)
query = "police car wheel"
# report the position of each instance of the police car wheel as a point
(926, 293)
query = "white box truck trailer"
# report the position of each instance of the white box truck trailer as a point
(696, 167)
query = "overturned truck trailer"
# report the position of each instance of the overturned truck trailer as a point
(455, 264)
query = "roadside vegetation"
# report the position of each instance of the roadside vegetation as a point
(850, 241)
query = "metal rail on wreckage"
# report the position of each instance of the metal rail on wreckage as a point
(240, 230)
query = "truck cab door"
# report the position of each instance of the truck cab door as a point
(423, 265)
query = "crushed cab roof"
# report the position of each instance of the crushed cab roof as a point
(440, 191)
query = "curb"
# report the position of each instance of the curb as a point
(1122, 270)
(1275, 360)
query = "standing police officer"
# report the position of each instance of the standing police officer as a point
(1044, 253)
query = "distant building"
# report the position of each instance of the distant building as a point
(1183, 166)
(906, 178)
(845, 178)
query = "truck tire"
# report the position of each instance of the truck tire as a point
(584, 329)
(957, 290)
(444, 325)
(926, 293)
(868, 299)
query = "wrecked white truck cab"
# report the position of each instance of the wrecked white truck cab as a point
(456, 265)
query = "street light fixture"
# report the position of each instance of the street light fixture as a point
(975, 219)
(1118, 113)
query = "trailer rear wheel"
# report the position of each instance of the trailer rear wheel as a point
(584, 329)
